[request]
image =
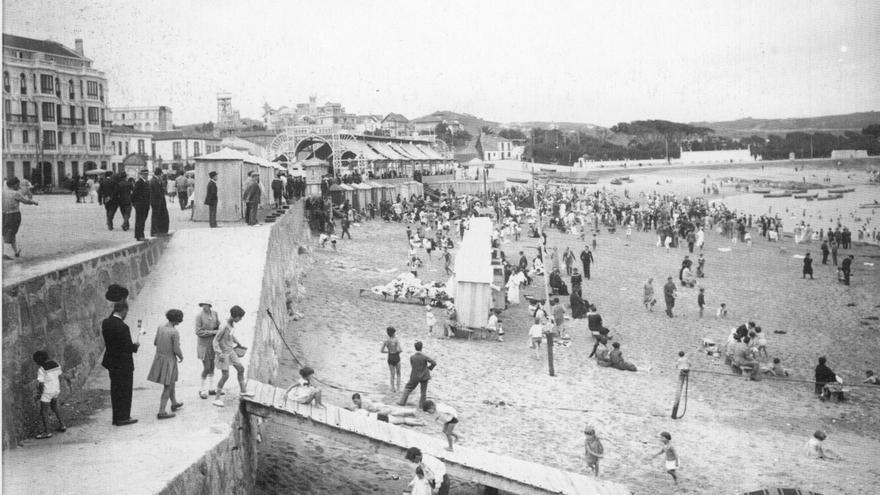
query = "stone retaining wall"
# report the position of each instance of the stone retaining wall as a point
(61, 312)
(231, 466)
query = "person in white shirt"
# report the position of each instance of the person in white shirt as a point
(445, 414)
(433, 469)
(48, 389)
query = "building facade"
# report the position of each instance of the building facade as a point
(126, 141)
(177, 150)
(150, 119)
(55, 108)
(498, 148)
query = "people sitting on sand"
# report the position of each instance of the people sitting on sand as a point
(390, 414)
(617, 361)
(599, 331)
(306, 393)
(776, 370)
(537, 267)
(687, 278)
(870, 378)
(603, 356)
(743, 360)
(557, 285)
(823, 375)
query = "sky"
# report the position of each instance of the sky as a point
(599, 62)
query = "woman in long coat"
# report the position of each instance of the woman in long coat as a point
(164, 368)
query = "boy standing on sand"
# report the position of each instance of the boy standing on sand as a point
(593, 450)
(48, 389)
(671, 455)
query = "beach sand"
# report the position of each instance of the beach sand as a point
(736, 435)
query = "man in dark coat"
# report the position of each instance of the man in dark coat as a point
(251, 197)
(211, 199)
(159, 218)
(586, 260)
(107, 197)
(808, 266)
(118, 350)
(140, 199)
(123, 198)
(669, 296)
(825, 252)
(420, 372)
(278, 190)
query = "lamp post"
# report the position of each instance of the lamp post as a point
(549, 334)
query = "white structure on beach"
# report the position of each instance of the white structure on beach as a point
(473, 273)
(849, 153)
(716, 156)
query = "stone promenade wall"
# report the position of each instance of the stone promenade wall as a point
(231, 466)
(61, 312)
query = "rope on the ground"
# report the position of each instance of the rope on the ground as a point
(793, 380)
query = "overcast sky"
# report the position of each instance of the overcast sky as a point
(585, 61)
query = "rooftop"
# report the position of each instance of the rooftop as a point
(43, 46)
(169, 135)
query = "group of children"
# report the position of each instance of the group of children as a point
(593, 451)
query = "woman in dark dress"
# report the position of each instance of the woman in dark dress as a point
(578, 305)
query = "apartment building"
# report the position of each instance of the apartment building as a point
(55, 110)
(150, 119)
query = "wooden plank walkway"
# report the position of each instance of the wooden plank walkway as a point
(360, 431)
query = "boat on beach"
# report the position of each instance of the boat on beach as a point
(829, 197)
(783, 194)
(841, 190)
(616, 182)
(761, 190)
(517, 180)
(806, 195)
(870, 205)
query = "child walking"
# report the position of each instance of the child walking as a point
(593, 450)
(48, 389)
(430, 320)
(666, 447)
(445, 414)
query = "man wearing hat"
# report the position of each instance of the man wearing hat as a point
(159, 219)
(123, 198)
(211, 199)
(207, 325)
(107, 197)
(140, 199)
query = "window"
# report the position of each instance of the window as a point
(7, 108)
(57, 87)
(94, 116)
(71, 89)
(92, 89)
(6, 81)
(196, 150)
(72, 114)
(101, 91)
(140, 146)
(25, 137)
(74, 168)
(126, 148)
(49, 140)
(61, 171)
(25, 169)
(123, 116)
(60, 138)
(47, 84)
(72, 138)
(81, 95)
(10, 170)
(24, 110)
(95, 141)
(175, 147)
(48, 112)
(7, 137)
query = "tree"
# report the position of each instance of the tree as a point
(511, 134)
(487, 130)
(872, 130)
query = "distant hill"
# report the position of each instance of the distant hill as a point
(471, 123)
(762, 127)
(564, 126)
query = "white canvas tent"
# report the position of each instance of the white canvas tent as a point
(232, 169)
(473, 273)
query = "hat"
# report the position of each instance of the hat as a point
(206, 304)
(212, 174)
(116, 293)
(589, 429)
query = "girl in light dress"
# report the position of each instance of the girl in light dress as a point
(513, 285)
(419, 484)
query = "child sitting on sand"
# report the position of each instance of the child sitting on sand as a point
(871, 378)
(722, 311)
(445, 414)
(306, 393)
(777, 369)
(814, 446)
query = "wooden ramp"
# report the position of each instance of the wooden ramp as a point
(359, 431)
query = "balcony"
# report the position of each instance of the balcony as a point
(49, 146)
(106, 123)
(72, 149)
(24, 119)
(21, 148)
(70, 121)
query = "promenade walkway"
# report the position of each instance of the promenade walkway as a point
(222, 266)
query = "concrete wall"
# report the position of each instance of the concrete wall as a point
(61, 312)
(231, 466)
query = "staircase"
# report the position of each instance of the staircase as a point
(272, 214)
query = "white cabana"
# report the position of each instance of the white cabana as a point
(473, 273)
(232, 169)
(362, 196)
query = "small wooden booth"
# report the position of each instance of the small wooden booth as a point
(473, 274)
(232, 169)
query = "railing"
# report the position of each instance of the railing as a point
(72, 148)
(49, 146)
(21, 148)
(106, 123)
(11, 117)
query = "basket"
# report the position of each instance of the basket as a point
(240, 350)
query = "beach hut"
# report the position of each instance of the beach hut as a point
(232, 169)
(361, 196)
(347, 193)
(473, 273)
(336, 194)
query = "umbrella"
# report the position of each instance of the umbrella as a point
(97, 171)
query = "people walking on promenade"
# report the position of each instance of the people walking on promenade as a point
(568, 259)
(207, 326)
(391, 346)
(123, 198)
(225, 345)
(140, 199)
(12, 198)
(164, 368)
(211, 199)
(251, 196)
(277, 187)
(669, 294)
(180, 186)
(420, 373)
(586, 261)
(159, 218)
(107, 197)
(118, 360)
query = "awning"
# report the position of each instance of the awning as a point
(430, 152)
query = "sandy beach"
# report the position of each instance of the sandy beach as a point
(736, 435)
